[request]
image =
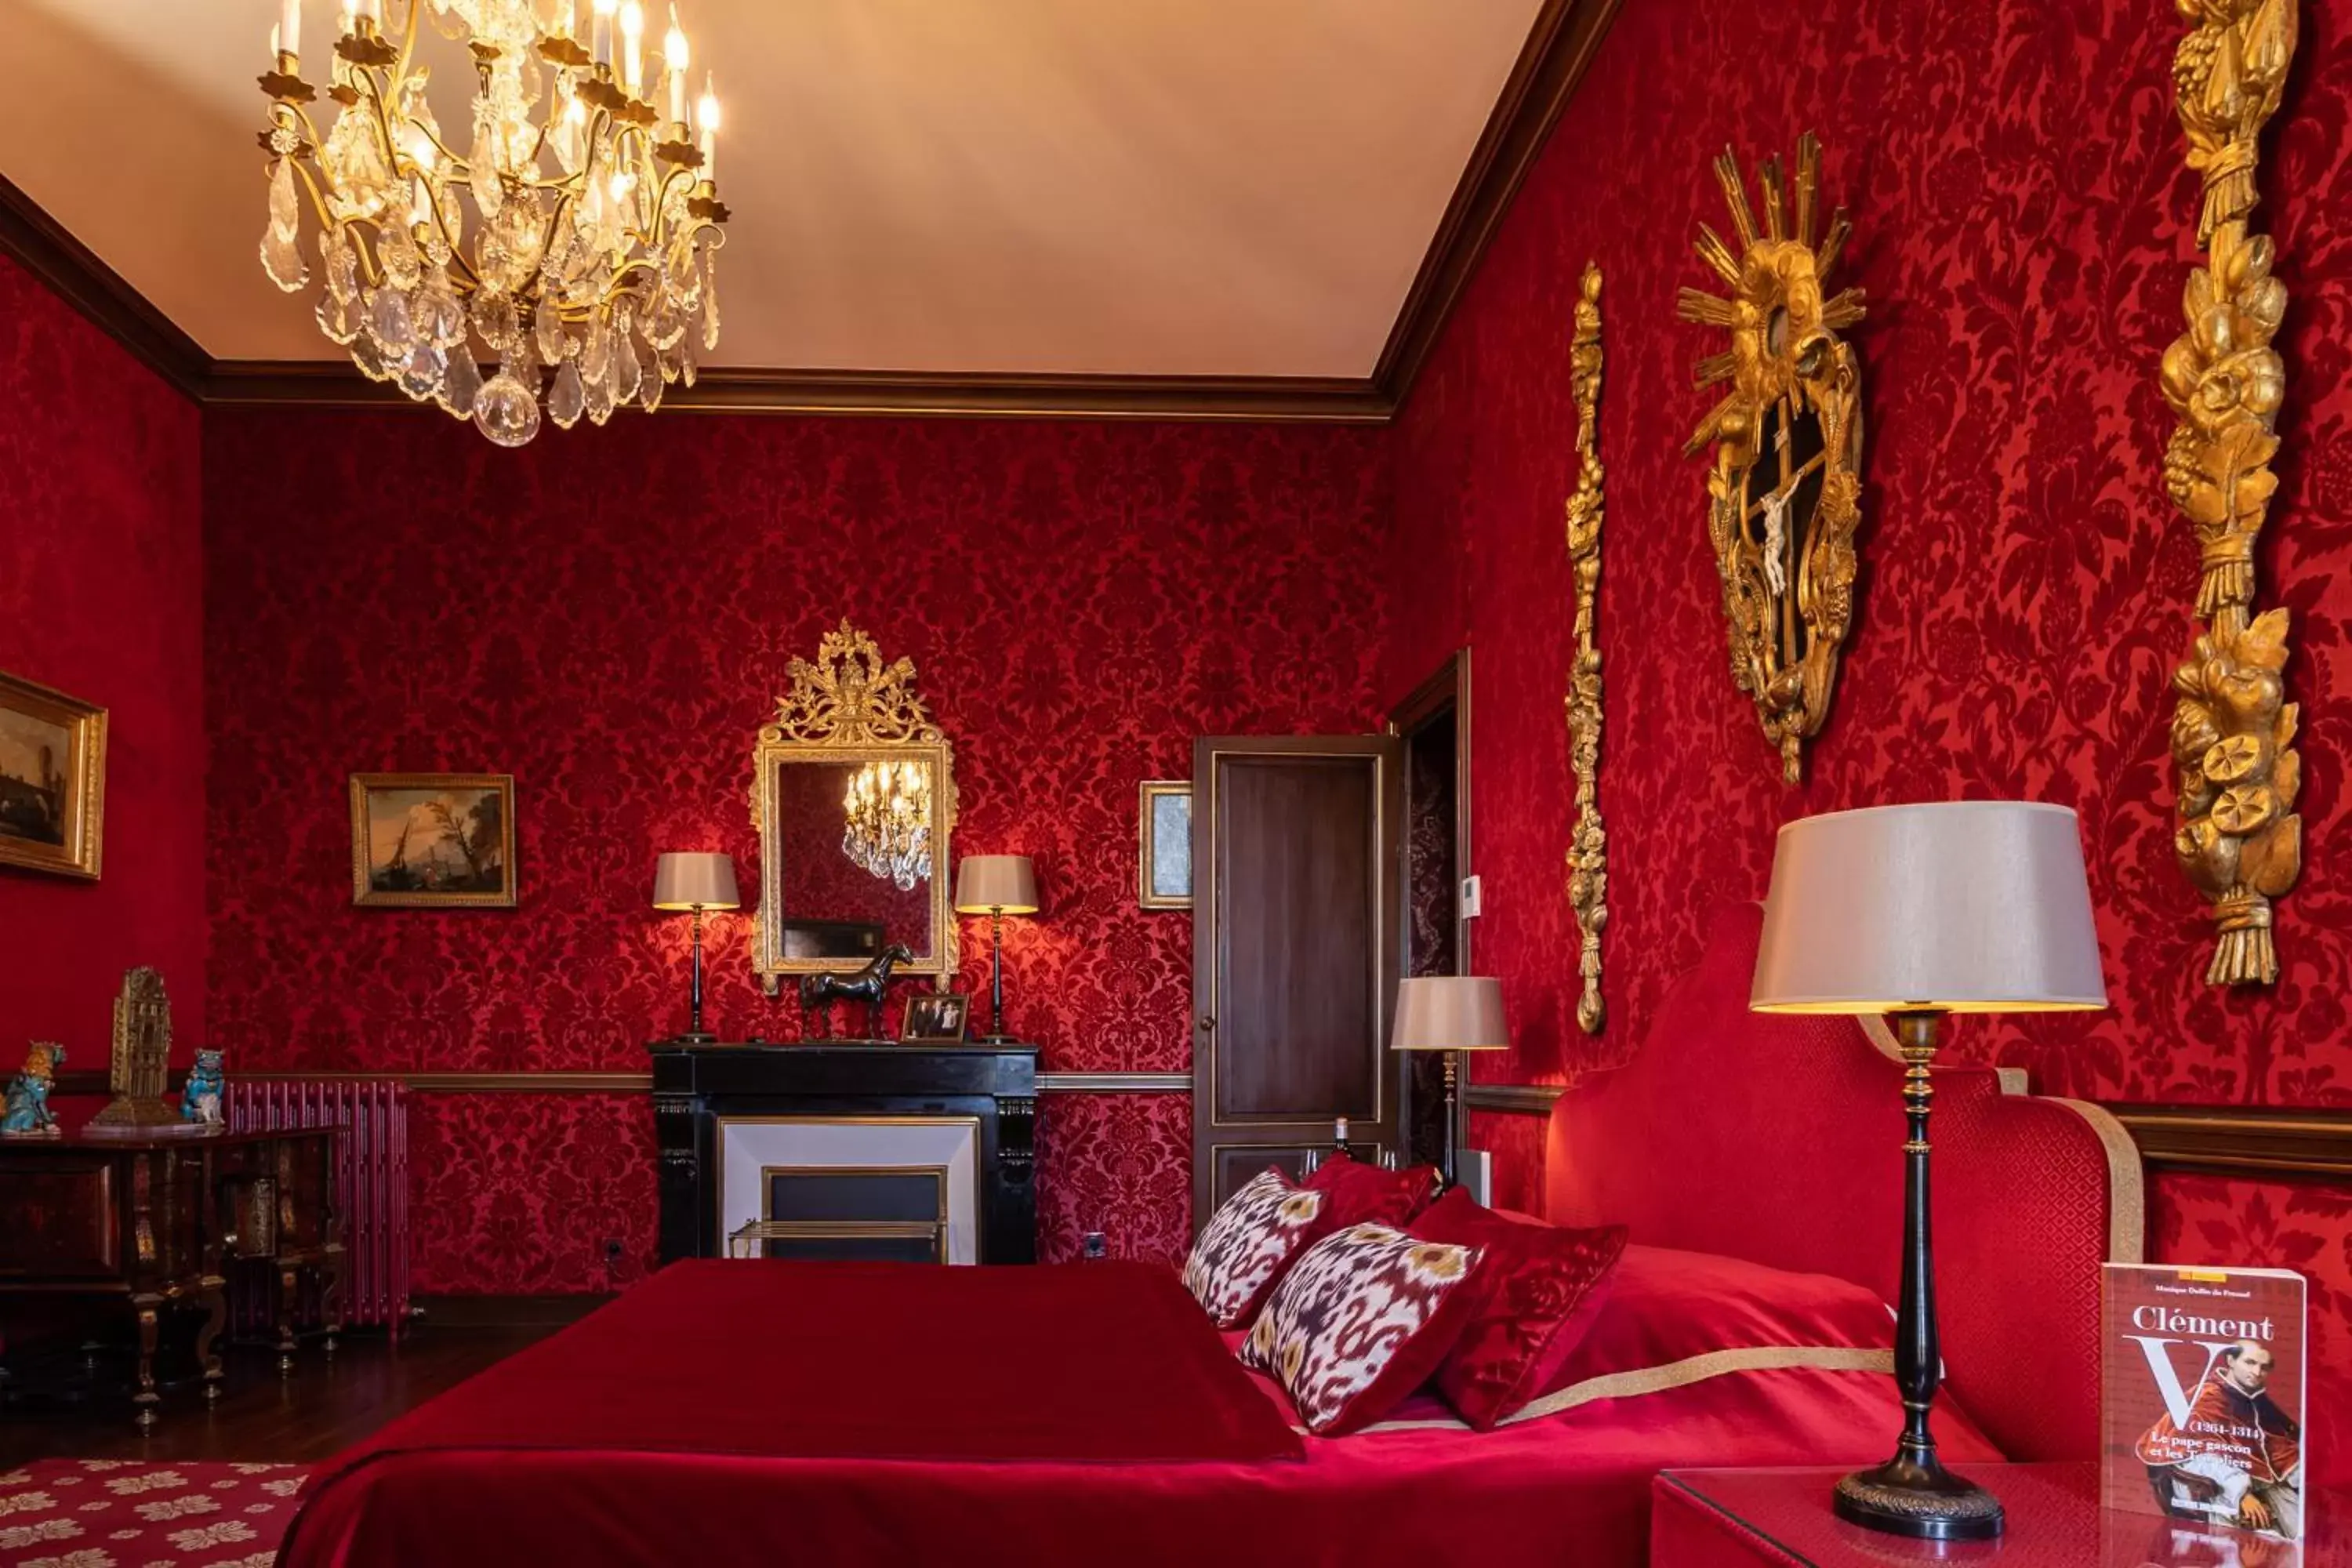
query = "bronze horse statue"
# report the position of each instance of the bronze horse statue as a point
(868, 985)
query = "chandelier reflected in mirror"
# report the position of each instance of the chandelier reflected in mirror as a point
(573, 232)
(889, 806)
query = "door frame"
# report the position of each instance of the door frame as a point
(1446, 688)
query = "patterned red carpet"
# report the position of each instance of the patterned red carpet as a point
(115, 1513)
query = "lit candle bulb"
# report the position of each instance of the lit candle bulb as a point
(603, 29)
(290, 28)
(351, 17)
(705, 117)
(674, 57)
(632, 33)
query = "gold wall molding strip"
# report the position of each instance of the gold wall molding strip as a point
(2249, 1140)
(94, 1081)
(1519, 1098)
(1587, 848)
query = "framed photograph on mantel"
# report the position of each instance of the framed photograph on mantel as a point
(1164, 845)
(52, 780)
(429, 841)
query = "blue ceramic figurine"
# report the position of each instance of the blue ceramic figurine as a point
(27, 1114)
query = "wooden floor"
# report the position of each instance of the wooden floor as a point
(326, 1403)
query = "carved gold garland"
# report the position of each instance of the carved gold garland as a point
(849, 697)
(1784, 493)
(1588, 852)
(2237, 836)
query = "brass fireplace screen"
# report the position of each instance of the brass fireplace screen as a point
(896, 1213)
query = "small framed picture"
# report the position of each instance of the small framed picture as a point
(428, 841)
(1163, 876)
(52, 780)
(935, 1017)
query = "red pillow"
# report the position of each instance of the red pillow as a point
(1248, 1243)
(1541, 1287)
(1360, 1321)
(1667, 1306)
(1363, 1194)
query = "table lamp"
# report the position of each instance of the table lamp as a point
(1450, 1012)
(996, 886)
(696, 882)
(1913, 911)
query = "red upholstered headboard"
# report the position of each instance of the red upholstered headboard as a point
(1779, 1140)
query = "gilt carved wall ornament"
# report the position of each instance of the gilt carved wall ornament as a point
(1588, 850)
(1784, 492)
(2236, 836)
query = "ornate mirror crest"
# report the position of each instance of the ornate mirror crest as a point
(1783, 495)
(2236, 836)
(860, 717)
(1588, 851)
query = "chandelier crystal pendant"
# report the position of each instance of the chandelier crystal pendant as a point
(888, 807)
(590, 270)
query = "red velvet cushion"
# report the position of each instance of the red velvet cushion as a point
(1363, 1194)
(1665, 1305)
(1247, 1244)
(1360, 1321)
(1541, 1288)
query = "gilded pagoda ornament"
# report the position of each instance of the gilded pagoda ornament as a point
(1784, 491)
(2236, 835)
(1588, 852)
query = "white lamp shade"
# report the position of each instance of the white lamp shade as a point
(1978, 906)
(694, 881)
(1450, 1012)
(996, 885)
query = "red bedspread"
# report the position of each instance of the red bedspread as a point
(547, 1458)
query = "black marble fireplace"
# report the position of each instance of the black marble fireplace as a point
(846, 1150)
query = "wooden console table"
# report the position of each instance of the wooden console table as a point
(153, 1224)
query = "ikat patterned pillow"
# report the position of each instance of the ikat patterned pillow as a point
(1361, 1321)
(1247, 1244)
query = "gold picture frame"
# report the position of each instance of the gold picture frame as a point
(52, 809)
(1163, 870)
(465, 861)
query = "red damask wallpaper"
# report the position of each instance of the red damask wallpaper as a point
(99, 566)
(2023, 227)
(608, 616)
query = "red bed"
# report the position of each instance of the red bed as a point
(775, 1413)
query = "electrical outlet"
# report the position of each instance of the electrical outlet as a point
(614, 1250)
(1470, 900)
(1095, 1245)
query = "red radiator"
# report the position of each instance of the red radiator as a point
(371, 1180)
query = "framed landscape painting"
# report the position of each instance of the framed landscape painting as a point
(425, 841)
(52, 780)
(1164, 845)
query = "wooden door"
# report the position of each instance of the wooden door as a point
(1296, 932)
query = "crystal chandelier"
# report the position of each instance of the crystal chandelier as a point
(592, 256)
(889, 831)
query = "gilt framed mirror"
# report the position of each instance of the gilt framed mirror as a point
(853, 793)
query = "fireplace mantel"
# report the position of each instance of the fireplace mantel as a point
(696, 1087)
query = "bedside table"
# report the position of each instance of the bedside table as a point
(1751, 1519)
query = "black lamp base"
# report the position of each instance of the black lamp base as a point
(696, 1038)
(1926, 1502)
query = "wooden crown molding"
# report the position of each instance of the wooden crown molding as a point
(45, 248)
(2245, 1140)
(1559, 46)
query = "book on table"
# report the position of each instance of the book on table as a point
(2202, 1395)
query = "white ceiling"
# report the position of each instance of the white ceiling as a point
(1227, 187)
